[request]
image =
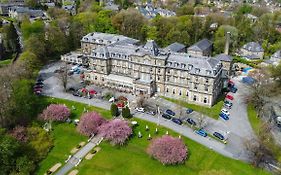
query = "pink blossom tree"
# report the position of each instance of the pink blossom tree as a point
(168, 150)
(89, 123)
(55, 112)
(20, 133)
(116, 131)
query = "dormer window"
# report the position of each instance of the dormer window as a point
(215, 72)
(197, 70)
(190, 66)
(183, 66)
(208, 72)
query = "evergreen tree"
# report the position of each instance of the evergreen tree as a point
(126, 113)
(114, 110)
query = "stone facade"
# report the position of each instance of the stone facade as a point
(149, 70)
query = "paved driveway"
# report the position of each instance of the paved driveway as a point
(237, 128)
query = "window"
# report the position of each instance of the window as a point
(196, 79)
(206, 88)
(174, 91)
(102, 79)
(159, 70)
(205, 100)
(96, 77)
(187, 93)
(195, 86)
(168, 78)
(207, 80)
(180, 93)
(158, 78)
(194, 98)
(151, 69)
(167, 90)
(168, 71)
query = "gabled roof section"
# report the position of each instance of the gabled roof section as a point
(201, 45)
(224, 57)
(253, 47)
(152, 47)
(175, 47)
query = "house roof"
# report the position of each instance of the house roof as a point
(201, 45)
(224, 57)
(253, 47)
(175, 47)
(152, 47)
(277, 54)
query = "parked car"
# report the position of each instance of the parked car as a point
(37, 89)
(233, 89)
(189, 111)
(77, 94)
(120, 105)
(228, 102)
(151, 113)
(70, 73)
(227, 106)
(40, 79)
(112, 99)
(201, 132)
(170, 112)
(230, 97)
(38, 86)
(39, 83)
(177, 121)
(191, 121)
(225, 111)
(166, 116)
(140, 109)
(218, 135)
(224, 116)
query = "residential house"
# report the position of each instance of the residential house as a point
(251, 51)
(201, 48)
(275, 59)
(19, 13)
(150, 12)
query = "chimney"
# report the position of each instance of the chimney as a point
(227, 41)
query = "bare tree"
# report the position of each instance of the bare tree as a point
(258, 148)
(63, 75)
(141, 101)
(202, 121)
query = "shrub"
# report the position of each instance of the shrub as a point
(168, 150)
(116, 131)
(55, 112)
(20, 133)
(89, 123)
(126, 113)
(114, 110)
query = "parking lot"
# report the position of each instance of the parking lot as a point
(235, 129)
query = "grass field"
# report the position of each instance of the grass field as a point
(213, 111)
(132, 158)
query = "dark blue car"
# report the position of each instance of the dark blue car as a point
(233, 89)
(170, 112)
(224, 116)
(166, 116)
(177, 121)
(189, 111)
(218, 135)
(190, 121)
(201, 132)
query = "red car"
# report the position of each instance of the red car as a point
(120, 105)
(230, 97)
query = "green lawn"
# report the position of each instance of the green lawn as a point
(132, 158)
(5, 62)
(213, 111)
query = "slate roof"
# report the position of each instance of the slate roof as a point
(201, 45)
(277, 55)
(106, 38)
(175, 47)
(224, 57)
(253, 47)
(204, 66)
(150, 12)
(152, 47)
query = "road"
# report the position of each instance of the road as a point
(238, 126)
(76, 158)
